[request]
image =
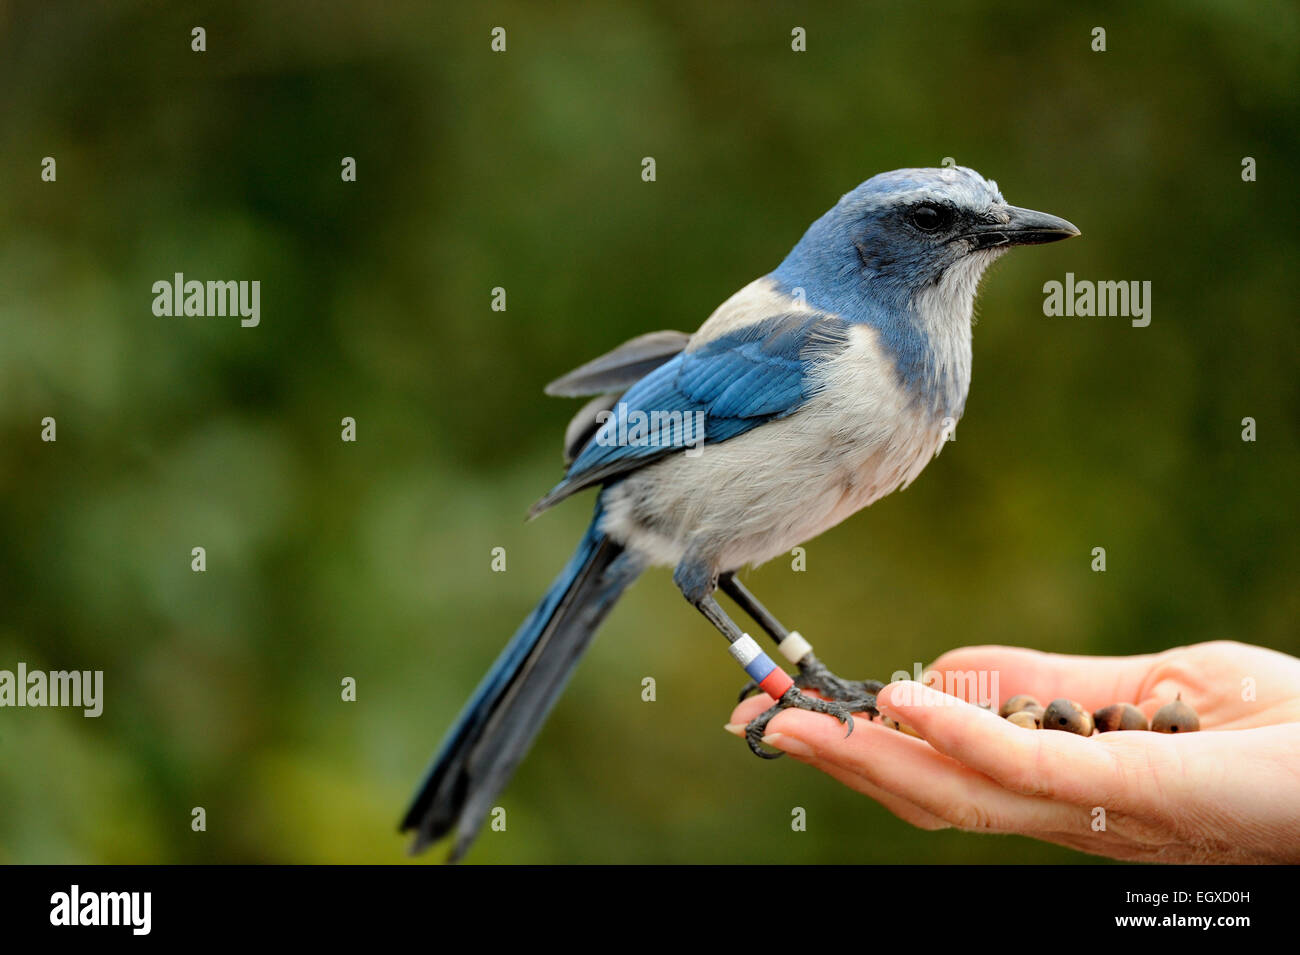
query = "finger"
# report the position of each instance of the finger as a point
(1007, 671)
(904, 810)
(913, 771)
(1060, 766)
(753, 707)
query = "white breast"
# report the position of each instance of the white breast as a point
(756, 496)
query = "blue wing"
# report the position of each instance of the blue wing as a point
(738, 381)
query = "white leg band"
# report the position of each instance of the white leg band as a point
(794, 647)
(745, 650)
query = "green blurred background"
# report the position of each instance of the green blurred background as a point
(522, 170)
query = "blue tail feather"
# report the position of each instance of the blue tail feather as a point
(498, 724)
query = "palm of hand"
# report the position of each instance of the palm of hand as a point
(1230, 793)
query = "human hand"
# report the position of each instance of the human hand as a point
(1229, 793)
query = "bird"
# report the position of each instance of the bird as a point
(807, 395)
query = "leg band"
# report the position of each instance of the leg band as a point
(771, 679)
(794, 647)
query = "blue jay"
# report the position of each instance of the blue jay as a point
(820, 387)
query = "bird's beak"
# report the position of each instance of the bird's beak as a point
(1011, 225)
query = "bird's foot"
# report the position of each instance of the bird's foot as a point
(814, 675)
(796, 700)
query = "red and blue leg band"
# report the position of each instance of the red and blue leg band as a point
(771, 679)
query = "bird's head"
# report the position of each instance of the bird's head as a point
(903, 232)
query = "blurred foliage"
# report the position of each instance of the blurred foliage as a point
(522, 170)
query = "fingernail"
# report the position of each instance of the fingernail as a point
(788, 744)
(735, 729)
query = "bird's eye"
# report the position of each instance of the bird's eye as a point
(929, 218)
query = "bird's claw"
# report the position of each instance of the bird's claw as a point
(814, 675)
(794, 699)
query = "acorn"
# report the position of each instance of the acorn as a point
(1068, 716)
(1176, 717)
(1027, 719)
(1119, 716)
(1021, 701)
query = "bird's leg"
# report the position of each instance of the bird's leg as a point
(813, 674)
(746, 652)
(697, 585)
